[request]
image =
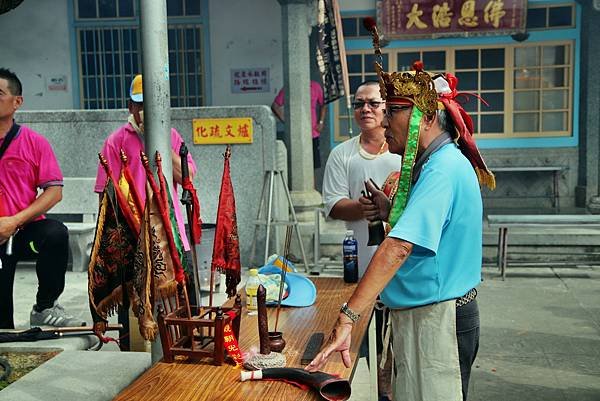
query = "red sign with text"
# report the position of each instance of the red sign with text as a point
(406, 19)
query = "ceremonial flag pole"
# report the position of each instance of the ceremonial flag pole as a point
(226, 250)
(284, 269)
(192, 207)
(171, 229)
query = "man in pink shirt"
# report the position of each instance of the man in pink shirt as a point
(27, 163)
(130, 138)
(316, 101)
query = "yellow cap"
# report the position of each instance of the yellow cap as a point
(136, 91)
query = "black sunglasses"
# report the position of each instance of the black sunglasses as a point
(359, 104)
(390, 110)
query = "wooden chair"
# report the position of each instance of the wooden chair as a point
(195, 332)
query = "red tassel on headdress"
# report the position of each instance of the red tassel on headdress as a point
(464, 125)
(418, 66)
(369, 23)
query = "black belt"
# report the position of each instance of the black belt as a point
(462, 301)
(465, 299)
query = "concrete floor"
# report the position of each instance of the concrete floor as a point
(540, 333)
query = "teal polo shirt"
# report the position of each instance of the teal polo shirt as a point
(443, 220)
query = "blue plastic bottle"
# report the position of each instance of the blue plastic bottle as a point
(350, 248)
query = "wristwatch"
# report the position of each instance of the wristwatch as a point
(349, 312)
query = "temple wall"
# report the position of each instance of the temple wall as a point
(77, 137)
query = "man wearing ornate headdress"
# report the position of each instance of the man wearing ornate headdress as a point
(357, 160)
(429, 265)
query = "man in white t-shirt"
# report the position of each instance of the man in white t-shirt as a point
(355, 161)
(349, 165)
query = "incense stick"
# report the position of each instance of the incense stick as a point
(286, 253)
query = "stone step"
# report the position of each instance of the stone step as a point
(79, 375)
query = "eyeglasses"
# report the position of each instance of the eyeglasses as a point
(390, 110)
(373, 104)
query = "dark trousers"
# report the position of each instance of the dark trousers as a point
(47, 242)
(467, 334)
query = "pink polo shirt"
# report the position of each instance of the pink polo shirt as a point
(28, 164)
(127, 139)
(316, 98)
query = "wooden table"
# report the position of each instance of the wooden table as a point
(199, 381)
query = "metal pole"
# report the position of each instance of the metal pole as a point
(157, 107)
(157, 96)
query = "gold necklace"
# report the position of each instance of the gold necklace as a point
(366, 155)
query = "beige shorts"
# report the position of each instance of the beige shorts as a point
(425, 353)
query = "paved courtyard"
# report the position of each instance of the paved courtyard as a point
(540, 333)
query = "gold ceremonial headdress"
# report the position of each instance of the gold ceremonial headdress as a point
(416, 86)
(428, 94)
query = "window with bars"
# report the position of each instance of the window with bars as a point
(109, 59)
(528, 87)
(109, 52)
(481, 71)
(542, 88)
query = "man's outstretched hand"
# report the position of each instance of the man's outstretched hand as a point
(339, 340)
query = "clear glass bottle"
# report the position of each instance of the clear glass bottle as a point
(251, 289)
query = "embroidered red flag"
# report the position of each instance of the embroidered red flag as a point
(165, 219)
(167, 200)
(130, 192)
(226, 250)
(132, 216)
(154, 273)
(110, 271)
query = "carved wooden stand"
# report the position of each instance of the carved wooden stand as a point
(201, 335)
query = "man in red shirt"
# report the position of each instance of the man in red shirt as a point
(316, 101)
